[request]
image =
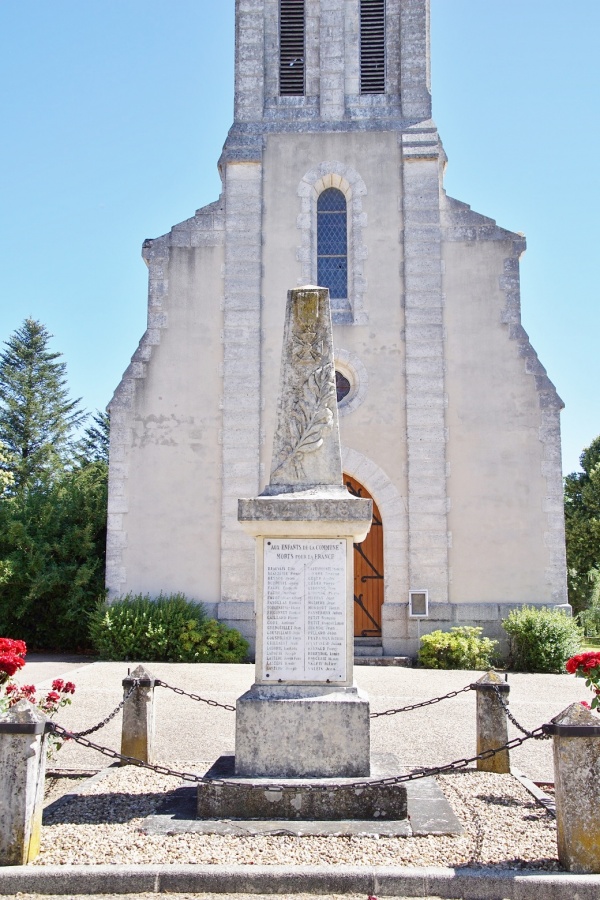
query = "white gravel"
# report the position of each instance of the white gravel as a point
(203, 896)
(504, 828)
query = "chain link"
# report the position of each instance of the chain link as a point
(197, 697)
(504, 705)
(387, 712)
(392, 712)
(80, 734)
(281, 788)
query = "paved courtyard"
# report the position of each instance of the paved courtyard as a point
(194, 732)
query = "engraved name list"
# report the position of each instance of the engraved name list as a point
(304, 623)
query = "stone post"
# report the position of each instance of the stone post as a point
(492, 727)
(137, 737)
(576, 733)
(22, 771)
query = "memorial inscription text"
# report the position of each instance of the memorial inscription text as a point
(304, 615)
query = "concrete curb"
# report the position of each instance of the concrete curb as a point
(382, 881)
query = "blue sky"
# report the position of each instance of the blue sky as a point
(114, 113)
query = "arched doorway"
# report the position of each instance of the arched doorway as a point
(368, 571)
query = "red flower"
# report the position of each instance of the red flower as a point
(584, 661)
(58, 684)
(10, 662)
(585, 703)
(69, 688)
(52, 697)
(7, 645)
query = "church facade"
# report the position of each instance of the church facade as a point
(332, 174)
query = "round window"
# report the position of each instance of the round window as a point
(342, 386)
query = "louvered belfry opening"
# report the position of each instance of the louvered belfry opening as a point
(291, 48)
(372, 46)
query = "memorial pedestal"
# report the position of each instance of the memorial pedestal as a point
(304, 717)
(302, 732)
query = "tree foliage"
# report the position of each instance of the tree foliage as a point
(37, 416)
(53, 496)
(582, 525)
(94, 445)
(52, 556)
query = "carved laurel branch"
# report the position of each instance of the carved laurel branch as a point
(310, 417)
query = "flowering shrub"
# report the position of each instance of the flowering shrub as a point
(587, 665)
(12, 658)
(169, 628)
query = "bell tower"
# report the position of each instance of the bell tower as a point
(305, 63)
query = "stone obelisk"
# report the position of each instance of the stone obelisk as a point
(304, 717)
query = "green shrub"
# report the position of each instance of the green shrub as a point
(460, 648)
(213, 642)
(541, 640)
(167, 629)
(589, 618)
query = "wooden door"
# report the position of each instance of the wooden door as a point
(368, 571)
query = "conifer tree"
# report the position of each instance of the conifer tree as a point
(94, 445)
(37, 416)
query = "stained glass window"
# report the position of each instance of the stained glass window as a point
(332, 243)
(342, 386)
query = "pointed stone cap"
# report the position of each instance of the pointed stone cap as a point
(306, 446)
(142, 675)
(576, 714)
(23, 718)
(492, 679)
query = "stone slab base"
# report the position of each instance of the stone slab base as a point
(301, 799)
(314, 734)
(428, 811)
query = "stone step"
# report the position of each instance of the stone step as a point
(367, 642)
(405, 661)
(361, 650)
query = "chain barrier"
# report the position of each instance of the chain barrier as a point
(455, 766)
(80, 734)
(387, 712)
(504, 705)
(197, 697)
(401, 709)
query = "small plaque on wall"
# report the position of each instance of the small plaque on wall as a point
(304, 614)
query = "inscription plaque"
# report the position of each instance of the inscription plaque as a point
(304, 610)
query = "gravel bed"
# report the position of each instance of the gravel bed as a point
(203, 896)
(504, 828)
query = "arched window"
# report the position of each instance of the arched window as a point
(332, 243)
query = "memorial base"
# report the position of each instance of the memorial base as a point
(329, 800)
(302, 732)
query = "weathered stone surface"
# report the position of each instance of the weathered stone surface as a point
(300, 800)
(22, 770)
(492, 726)
(306, 448)
(137, 736)
(577, 785)
(302, 732)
